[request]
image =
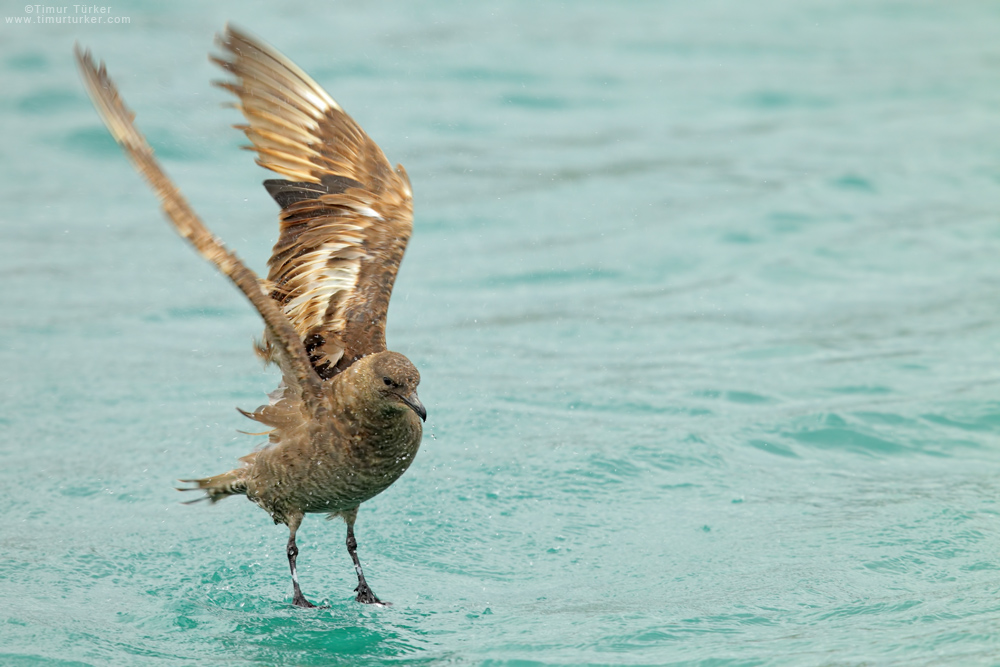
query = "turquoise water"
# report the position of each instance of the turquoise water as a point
(705, 299)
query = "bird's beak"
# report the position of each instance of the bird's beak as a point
(414, 402)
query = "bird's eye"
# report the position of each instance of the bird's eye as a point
(387, 381)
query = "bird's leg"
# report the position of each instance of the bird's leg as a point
(365, 593)
(298, 599)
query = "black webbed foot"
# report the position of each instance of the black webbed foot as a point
(365, 596)
(301, 601)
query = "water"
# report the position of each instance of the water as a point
(704, 296)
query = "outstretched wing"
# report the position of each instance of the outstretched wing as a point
(346, 213)
(288, 346)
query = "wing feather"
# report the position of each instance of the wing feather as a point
(290, 351)
(346, 213)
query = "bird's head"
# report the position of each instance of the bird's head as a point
(394, 379)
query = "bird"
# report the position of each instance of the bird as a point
(346, 420)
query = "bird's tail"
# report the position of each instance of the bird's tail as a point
(232, 483)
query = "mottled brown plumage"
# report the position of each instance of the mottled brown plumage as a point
(346, 214)
(346, 421)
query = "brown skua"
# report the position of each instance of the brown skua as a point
(345, 422)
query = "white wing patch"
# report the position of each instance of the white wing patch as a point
(367, 211)
(326, 271)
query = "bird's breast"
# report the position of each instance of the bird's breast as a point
(335, 469)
